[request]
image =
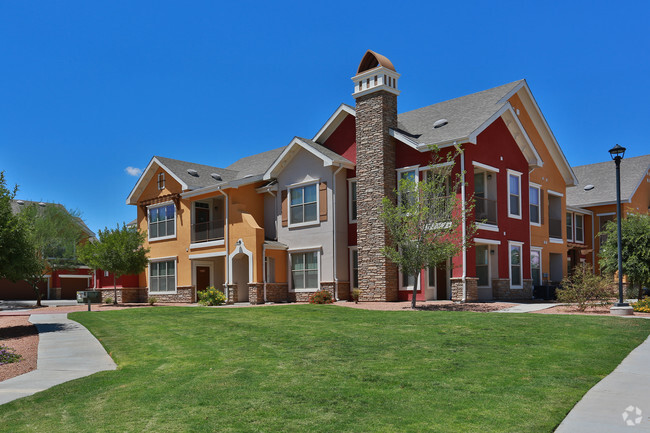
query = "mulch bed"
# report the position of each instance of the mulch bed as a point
(16, 332)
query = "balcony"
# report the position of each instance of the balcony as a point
(208, 231)
(486, 211)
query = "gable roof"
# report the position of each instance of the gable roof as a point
(18, 205)
(602, 176)
(465, 115)
(255, 164)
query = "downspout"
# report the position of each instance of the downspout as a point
(593, 245)
(264, 269)
(336, 277)
(275, 223)
(464, 232)
(227, 245)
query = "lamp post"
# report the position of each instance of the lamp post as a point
(617, 153)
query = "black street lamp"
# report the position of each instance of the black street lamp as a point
(617, 153)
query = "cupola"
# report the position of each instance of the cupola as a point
(375, 73)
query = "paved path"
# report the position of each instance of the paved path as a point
(66, 351)
(527, 308)
(626, 389)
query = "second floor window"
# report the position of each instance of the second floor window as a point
(303, 204)
(353, 200)
(579, 228)
(514, 194)
(162, 222)
(535, 205)
(569, 226)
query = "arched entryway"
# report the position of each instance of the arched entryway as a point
(241, 270)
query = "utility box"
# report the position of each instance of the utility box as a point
(95, 297)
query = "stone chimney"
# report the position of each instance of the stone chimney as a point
(375, 91)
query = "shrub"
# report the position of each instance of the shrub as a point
(8, 355)
(152, 300)
(642, 306)
(355, 295)
(108, 300)
(211, 296)
(585, 289)
(321, 297)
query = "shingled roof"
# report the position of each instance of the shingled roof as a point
(18, 205)
(464, 115)
(603, 177)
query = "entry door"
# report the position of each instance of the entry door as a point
(202, 277)
(441, 281)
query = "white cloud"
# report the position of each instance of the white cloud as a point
(133, 171)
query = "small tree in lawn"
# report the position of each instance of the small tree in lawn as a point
(119, 251)
(54, 234)
(425, 225)
(635, 249)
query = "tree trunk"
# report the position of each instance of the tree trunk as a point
(415, 289)
(115, 290)
(640, 292)
(38, 294)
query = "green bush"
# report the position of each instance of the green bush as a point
(211, 296)
(8, 355)
(355, 295)
(152, 300)
(642, 306)
(108, 300)
(321, 297)
(585, 289)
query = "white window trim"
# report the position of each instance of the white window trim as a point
(158, 185)
(555, 240)
(518, 176)
(541, 274)
(351, 249)
(570, 215)
(406, 288)
(435, 279)
(302, 185)
(489, 263)
(521, 264)
(485, 167)
(488, 227)
(539, 204)
(486, 241)
(350, 182)
(555, 193)
(416, 169)
(316, 250)
(163, 259)
(575, 228)
(161, 238)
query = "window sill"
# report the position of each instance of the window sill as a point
(164, 238)
(305, 290)
(532, 223)
(513, 216)
(163, 293)
(488, 227)
(555, 240)
(305, 224)
(207, 244)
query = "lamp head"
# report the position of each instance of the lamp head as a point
(617, 151)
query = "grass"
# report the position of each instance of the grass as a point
(331, 369)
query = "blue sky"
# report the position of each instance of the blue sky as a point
(88, 89)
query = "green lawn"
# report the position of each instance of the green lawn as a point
(331, 369)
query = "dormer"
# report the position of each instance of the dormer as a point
(375, 73)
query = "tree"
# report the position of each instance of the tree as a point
(119, 251)
(54, 234)
(635, 249)
(425, 225)
(16, 250)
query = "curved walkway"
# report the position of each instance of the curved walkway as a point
(66, 351)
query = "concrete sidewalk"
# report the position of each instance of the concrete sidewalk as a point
(528, 308)
(66, 351)
(618, 403)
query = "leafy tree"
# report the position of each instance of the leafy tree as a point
(54, 233)
(635, 249)
(16, 250)
(119, 251)
(425, 225)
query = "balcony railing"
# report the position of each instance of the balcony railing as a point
(207, 231)
(486, 210)
(555, 228)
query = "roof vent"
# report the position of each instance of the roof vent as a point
(192, 172)
(247, 176)
(216, 176)
(20, 202)
(41, 204)
(440, 123)
(588, 187)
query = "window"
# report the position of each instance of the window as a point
(536, 266)
(515, 265)
(514, 194)
(569, 226)
(431, 277)
(304, 270)
(407, 281)
(352, 194)
(534, 205)
(304, 204)
(106, 273)
(354, 268)
(162, 276)
(409, 174)
(161, 181)
(162, 222)
(579, 222)
(602, 223)
(483, 265)
(270, 269)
